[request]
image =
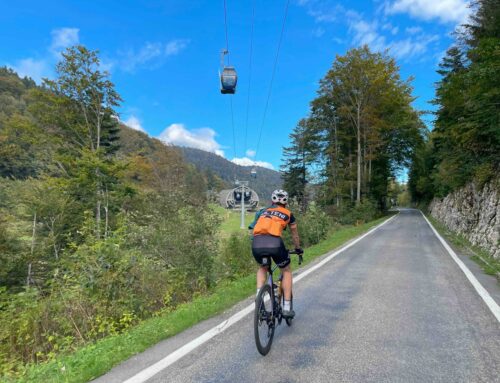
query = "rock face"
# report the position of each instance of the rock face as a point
(473, 213)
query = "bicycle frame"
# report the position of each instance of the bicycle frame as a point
(271, 269)
(273, 315)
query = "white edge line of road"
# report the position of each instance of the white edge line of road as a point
(490, 302)
(155, 368)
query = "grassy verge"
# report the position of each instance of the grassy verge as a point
(231, 220)
(94, 360)
(490, 265)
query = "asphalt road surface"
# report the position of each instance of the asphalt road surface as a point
(394, 307)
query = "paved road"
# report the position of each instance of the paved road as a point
(392, 308)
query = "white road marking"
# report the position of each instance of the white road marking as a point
(490, 302)
(154, 369)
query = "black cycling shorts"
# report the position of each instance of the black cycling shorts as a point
(264, 246)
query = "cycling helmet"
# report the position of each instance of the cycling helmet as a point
(279, 196)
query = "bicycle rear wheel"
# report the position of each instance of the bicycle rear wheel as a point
(264, 321)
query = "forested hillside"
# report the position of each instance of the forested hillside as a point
(264, 183)
(100, 226)
(464, 145)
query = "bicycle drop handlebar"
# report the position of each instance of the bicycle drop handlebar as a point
(299, 254)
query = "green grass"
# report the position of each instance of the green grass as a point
(490, 265)
(95, 359)
(231, 220)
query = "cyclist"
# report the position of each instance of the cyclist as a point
(267, 227)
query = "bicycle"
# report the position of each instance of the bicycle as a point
(268, 308)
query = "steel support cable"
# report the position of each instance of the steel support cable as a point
(272, 77)
(232, 124)
(249, 73)
(225, 27)
(230, 98)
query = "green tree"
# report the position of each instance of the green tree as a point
(364, 126)
(81, 102)
(298, 158)
(465, 141)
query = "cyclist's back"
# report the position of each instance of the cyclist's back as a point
(267, 228)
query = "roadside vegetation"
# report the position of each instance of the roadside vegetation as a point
(93, 360)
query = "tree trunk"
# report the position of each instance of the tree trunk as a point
(350, 175)
(106, 212)
(53, 235)
(98, 216)
(358, 184)
(28, 279)
(365, 165)
(369, 170)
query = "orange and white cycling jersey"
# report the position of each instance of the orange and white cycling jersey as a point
(272, 221)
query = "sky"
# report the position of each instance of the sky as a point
(164, 57)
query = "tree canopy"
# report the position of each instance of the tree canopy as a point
(361, 130)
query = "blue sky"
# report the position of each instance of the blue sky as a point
(164, 56)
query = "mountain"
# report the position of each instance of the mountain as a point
(266, 181)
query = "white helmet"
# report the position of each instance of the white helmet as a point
(279, 196)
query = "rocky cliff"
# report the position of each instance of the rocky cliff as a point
(474, 213)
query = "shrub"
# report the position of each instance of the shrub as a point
(355, 214)
(235, 257)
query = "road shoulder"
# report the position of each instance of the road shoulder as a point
(489, 282)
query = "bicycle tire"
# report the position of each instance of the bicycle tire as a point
(264, 320)
(288, 320)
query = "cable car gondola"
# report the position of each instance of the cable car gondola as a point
(253, 173)
(228, 77)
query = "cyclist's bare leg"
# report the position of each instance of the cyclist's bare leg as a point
(287, 282)
(261, 276)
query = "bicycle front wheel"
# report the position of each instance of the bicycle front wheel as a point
(264, 321)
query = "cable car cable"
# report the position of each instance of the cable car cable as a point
(249, 73)
(272, 77)
(232, 124)
(225, 27)
(231, 100)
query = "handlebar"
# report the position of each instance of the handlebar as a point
(300, 255)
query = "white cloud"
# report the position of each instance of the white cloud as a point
(447, 11)
(413, 30)
(369, 33)
(65, 37)
(134, 123)
(152, 53)
(366, 33)
(389, 27)
(318, 32)
(323, 11)
(245, 161)
(203, 138)
(411, 48)
(175, 46)
(36, 69)
(250, 153)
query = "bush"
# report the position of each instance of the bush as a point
(357, 214)
(313, 226)
(235, 257)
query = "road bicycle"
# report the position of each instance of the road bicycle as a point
(269, 308)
